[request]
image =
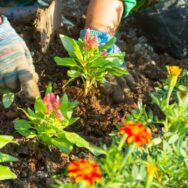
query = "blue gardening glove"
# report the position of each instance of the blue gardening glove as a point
(115, 87)
(16, 67)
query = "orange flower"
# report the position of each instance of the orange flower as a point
(136, 132)
(84, 170)
(151, 169)
(90, 42)
(174, 70)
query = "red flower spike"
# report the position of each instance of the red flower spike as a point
(105, 54)
(90, 42)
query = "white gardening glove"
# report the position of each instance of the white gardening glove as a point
(16, 67)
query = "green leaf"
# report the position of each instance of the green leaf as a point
(135, 171)
(6, 173)
(4, 140)
(63, 145)
(173, 139)
(49, 88)
(31, 113)
(67, 107)
(80, 142)
(66, 61)
(74, 74)
(6, 158)
(71, 47)
(117, 71)
(64, 102)
(23, 127)
(111, 42)
(73, 120)
(40, 106)
(8, 99)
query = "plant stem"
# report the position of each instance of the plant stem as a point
(171, 87)
(122, 142)
(149, 181)
(82, 185)
(130, 149)
(86, 87)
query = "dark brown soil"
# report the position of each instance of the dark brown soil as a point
(98, 115)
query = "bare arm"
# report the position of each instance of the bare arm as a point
(104, 15)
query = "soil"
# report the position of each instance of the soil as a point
(98, 115)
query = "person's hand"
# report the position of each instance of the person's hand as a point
(16, 67)
(115, 87)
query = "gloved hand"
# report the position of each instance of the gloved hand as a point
(116, 87)
(16, 67)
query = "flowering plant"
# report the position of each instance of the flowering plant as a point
(120, 167)
(5, 172)
(47, 123)
(172, 99)
(89, 61)
(140, 159)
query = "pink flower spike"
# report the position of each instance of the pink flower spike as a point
(87, 35)
(90, 42)
(104, 53)
(52, 103)
(59, 115)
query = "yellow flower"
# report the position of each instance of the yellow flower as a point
(151, 169)
(174, 70)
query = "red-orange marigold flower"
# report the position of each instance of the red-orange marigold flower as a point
(136, 132)
(84, 170)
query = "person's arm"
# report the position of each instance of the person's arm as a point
(104, 15)
(102, 19)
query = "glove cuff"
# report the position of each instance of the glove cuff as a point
(7, 33)
(103, 38)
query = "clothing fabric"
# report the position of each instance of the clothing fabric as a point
(128, 6)
(18, 3)
(18, 9)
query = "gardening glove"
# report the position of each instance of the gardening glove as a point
(116, 87)
(16, 67)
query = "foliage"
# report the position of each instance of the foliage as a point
(89, 61)
(134, 159)
(8, 98)
(5, 172)
(47, 123)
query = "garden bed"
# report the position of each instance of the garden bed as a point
(98, 115)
